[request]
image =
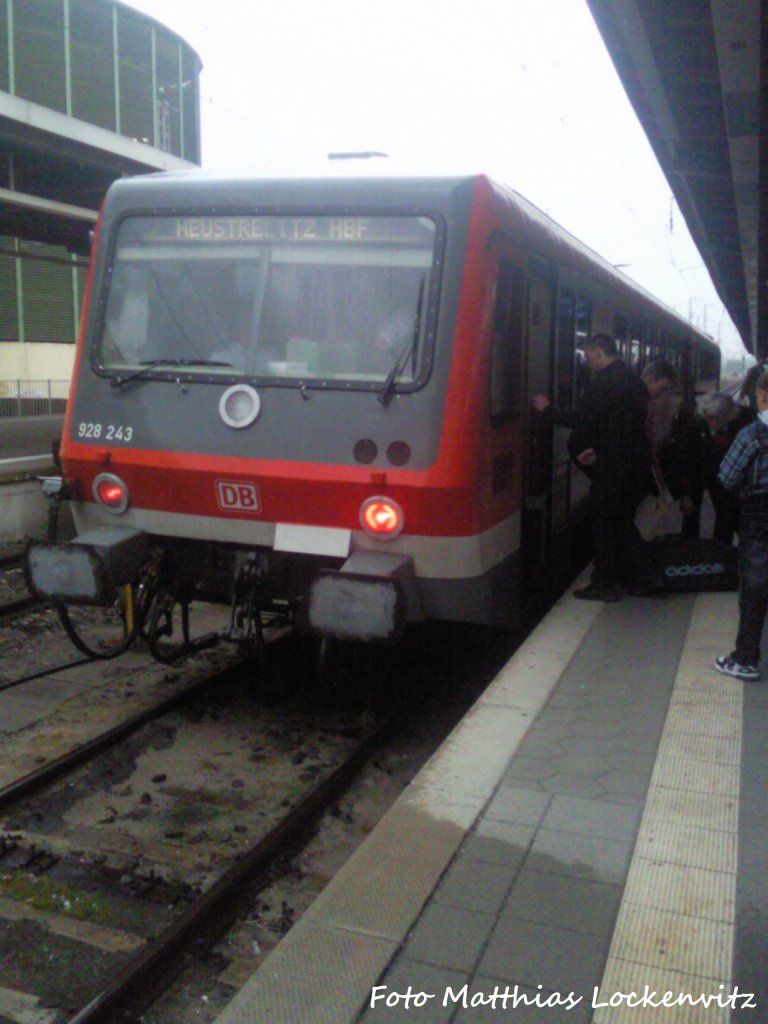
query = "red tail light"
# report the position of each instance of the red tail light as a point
(381, 518)
(111, 492)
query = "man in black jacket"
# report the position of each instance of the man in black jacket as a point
(610, 442)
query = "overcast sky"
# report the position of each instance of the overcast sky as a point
(521, 89)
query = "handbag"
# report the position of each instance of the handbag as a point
(675, 564)
(651, 513)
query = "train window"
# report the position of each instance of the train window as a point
(673, 352)
(621, 334)
(583, 331)
(636, 346)
(507, 345)
(564, 360)
(342, 299)
(652, 346)
(707, 365)
(583, 317)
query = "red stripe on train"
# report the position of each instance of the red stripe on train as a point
(311, 494)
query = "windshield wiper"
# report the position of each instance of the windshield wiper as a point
(147, 365)
(410, 350)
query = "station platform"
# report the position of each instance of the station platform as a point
(28, 436)
(590, 844)
(25, 454)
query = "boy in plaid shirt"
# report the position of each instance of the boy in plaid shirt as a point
(745, 468)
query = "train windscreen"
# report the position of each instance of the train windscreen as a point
(336, 298)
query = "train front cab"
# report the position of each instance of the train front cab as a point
(482, 529)
(304, 469)
(489, 496)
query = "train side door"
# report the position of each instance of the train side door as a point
(537, 472)
(506, 386)
(568, 482)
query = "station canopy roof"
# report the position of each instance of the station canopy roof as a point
(691, 69)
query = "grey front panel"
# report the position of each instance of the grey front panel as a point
(319, 423)
(323, 427)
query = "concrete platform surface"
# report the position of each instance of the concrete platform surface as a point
(589, 845)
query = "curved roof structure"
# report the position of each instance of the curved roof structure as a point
(692, 71)
(90, 90)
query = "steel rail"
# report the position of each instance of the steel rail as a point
(9, 609)
(153, 969)
(49, 773)
(9, 684)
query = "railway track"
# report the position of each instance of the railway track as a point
(209, 916)
(163, 896)
(51, 670)
(197, 920)
(57, 769)
(31, 846)
(149, 971)
(10, 560)
(18, 606)
(14, 598)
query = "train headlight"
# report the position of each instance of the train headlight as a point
(110, 491)
(382, 518)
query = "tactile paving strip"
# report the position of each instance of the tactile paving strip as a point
(674, 932)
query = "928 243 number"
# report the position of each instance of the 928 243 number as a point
(107, 432)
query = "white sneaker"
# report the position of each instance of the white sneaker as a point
(729, 667)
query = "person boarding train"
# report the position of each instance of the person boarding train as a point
(610, 441)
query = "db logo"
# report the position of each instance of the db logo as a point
(237, 497)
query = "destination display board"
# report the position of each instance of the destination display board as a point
(284, 229)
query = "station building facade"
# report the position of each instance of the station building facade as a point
(90, 91)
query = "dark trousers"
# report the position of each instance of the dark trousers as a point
(753, 580)
(726, 506)
(615, 538)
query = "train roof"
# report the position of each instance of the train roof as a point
(539, 226)
(318, 188)
(233, 188)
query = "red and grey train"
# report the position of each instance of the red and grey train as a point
(314, 396)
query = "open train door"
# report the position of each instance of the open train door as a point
(536, 541)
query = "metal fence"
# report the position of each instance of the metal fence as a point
(33, 397)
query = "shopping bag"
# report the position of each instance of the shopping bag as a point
(678, 564)
(651, 513)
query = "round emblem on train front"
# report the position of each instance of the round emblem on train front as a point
(239, 406)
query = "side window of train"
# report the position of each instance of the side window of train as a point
(680, 347)
(686, 359)
(674, 350)
(567, 355)
(621, 334)
(703, 366)
(507, 345)
(652, 347)
(583, 331)
(636, 346)
(583, 317)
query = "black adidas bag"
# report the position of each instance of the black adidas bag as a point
(678, 564)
